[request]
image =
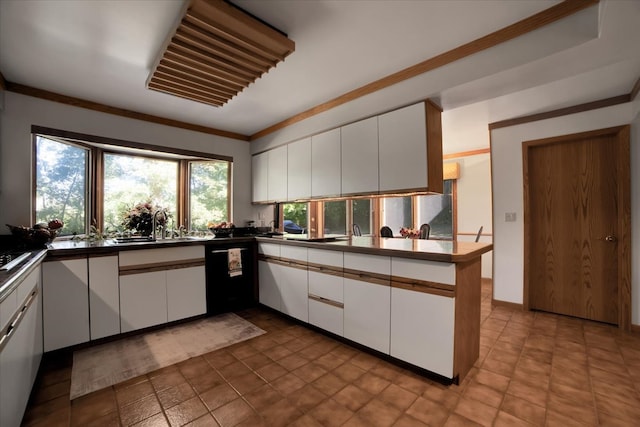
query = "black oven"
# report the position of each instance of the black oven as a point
(230, 288)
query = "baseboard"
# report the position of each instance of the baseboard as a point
(512, 305)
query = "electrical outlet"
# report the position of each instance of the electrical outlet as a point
(510, 217)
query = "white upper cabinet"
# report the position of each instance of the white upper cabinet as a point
(299, 169)
(403, 149)
(260, 171)
(360, 157)
(277, 176)
(326, 176)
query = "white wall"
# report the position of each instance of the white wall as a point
(507, 181)
(20, 112)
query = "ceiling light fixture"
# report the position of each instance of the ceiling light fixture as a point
(217, 50)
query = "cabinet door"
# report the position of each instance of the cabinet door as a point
(367, 314)
(19, 362)
(269, 293)
(360, 157)
(294, 292)
(104, 296)
(299, 169)
(143, 300)
(186, 293)
(403, 147)
(326, 170)
(422, 330)
(259, 177)
(65, 303)
(277, 179)
(326, 316)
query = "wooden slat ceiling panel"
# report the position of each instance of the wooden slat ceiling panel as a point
(216, 52)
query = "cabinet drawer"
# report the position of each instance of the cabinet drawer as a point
(326, 286)
(323, 257)
(162, 255)
(270, 249)
(326, 316)
(369, 263)
(294, 253)
(431, 271)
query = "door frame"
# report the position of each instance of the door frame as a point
(622, 133)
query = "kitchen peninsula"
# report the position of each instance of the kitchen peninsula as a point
(415, 301)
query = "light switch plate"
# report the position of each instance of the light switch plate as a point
(509, 216)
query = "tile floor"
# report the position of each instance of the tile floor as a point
(534, 369)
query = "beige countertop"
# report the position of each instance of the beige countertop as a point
(432, 250)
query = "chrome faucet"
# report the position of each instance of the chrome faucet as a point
(155, 222)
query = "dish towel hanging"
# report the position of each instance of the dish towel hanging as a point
(235, 262)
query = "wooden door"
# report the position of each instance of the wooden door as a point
(577, 216)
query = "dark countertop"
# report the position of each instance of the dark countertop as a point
(70, 248)
(9, 280)
(430, 250)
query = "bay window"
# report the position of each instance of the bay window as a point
(89, 181)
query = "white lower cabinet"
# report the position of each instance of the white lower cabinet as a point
(422, 330)
(161, 285)
(367, 313)
(186, 293)
(65, 303)
(21, 352)
(143, 300)
(269, 291)
(294, 292)
(104, 296)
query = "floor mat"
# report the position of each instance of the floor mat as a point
(107, 364)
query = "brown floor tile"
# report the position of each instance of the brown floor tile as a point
(307, 398)
(309, 372)
(331, 413)
(132, 393)
(456, 420)
(288, 384)
(484, 394)
(329, 384)
(281, 413)
(442, 395)
(93, 405)
(408, 421)
(219, 396)
(476, 411)
(293, 362)
(532, 394)
(206, 420)
(305, 421)
(158, 420)
(379, 413)
(372, 383)
(220, 358)
(263, 397)
(524, 410)
(177, 394)
(167, 379)
(348, 371)
(139, 410)
(329, 361)
(271, 371)
(352, 397)
(398, 397)
(247, 383)
(186, 412)
(428, 412)
(112, 419)
(233, 412)
(505, 419)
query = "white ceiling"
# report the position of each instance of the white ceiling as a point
(102, 51)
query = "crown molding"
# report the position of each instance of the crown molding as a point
(95, 106)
